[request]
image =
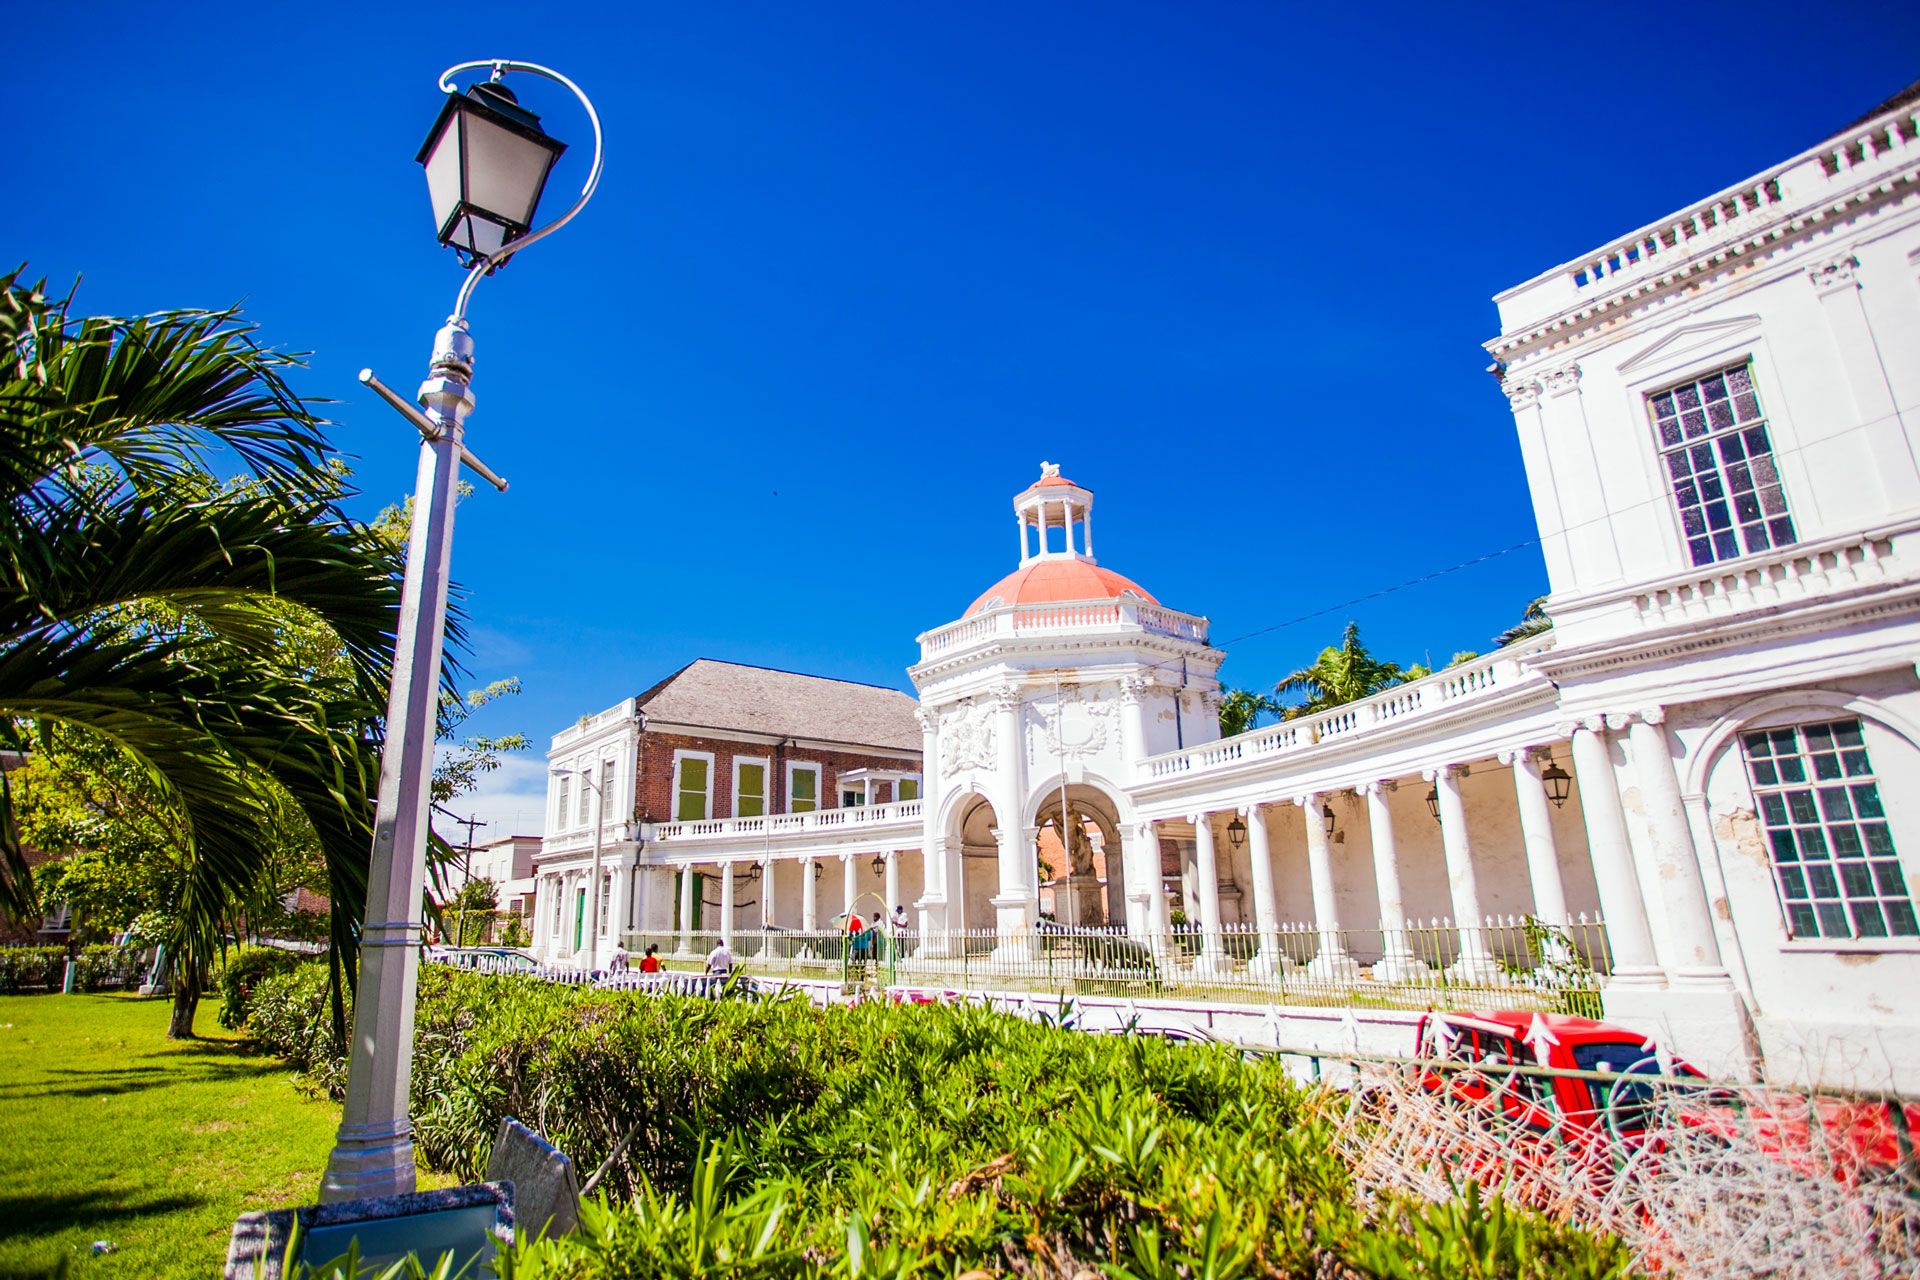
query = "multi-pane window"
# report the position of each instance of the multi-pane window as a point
(692, 774)
(606, 900)
(803, 788)
(606, 786)
(1719, 459)
(565, 782)
(586, 801)
(749, 788)
(1833, 854)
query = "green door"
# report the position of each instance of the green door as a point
(580, 920)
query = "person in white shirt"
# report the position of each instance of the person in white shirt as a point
(720, 960)
(618, 964)
(900, 922)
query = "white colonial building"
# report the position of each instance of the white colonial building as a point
(1715, 750)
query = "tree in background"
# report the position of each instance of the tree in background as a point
(1533, 620)
(1343, 673)
(146, 607)
(1241, 709)
(471, 911)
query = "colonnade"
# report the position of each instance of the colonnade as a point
(1657, 857)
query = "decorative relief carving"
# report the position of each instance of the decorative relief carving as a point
(1521, 392)
(1837, 274)
(1133, 689)
(1558, 382)
(1076, 725)
(967, 740)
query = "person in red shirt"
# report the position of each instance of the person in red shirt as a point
(650, 963)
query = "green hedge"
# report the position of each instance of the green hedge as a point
(242, 971)
(25, 969)
(779, 1139)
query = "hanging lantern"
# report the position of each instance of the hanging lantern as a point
(818, 871)
(1333, 823)
(487, 161)
(1557, 781)
(1236, 832)
(879, 866)
(1433, 801)
(753, 872)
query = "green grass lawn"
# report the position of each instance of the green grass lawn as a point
(108, 1131)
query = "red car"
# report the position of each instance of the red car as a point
(1602, 1121)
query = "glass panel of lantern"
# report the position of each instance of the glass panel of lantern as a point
(487, 161)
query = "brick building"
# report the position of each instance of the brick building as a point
(713, 741)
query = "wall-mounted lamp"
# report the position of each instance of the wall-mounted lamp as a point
(1557, 781)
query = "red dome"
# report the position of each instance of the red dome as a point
(1053, 581)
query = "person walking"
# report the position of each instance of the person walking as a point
(617, 963)
(720, 960)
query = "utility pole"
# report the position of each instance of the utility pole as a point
(466, 872)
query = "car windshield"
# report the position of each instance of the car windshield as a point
(1627, 1098)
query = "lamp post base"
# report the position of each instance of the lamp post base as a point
(369, 1160)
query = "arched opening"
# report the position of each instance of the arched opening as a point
(974, 832)
(1083, 884)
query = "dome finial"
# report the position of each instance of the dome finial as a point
(1049, 470)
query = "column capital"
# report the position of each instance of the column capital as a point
(1440, 772)
(1511, 756)
(1005, 697)
(1617, 720)
(1558, 382)
(1833, 275)
(1133, 688)
(1378, 786)
(1521, 392)
(1250, 810)
(1304, 799)
(929, 719)
(1653, 715)
(1198, 819)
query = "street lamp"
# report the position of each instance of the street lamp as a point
(1236, 832)
(879, 865)
(492, 191)
(1557, 781)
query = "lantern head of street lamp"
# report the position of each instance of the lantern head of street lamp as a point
(753, 872)
(1557, 781)
(879, 865)
(1433, 801)
(1236, 832)
(487, 161)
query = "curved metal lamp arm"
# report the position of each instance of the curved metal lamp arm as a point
(500, 67)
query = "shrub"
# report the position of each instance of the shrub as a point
(107, 966)
(241, 973)
(32, 968)
(769, 1138)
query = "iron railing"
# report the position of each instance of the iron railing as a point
(1506, 963)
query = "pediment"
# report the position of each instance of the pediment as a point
(1687, 338)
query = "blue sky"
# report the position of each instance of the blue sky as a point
(855, 269)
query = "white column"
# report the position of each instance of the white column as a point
(1133, 723)
(1266, 914)
(627, 876)
(849, 884)
(1086, 529)
(809, 896)
(1020, 523)
(1476, 963)
(726, 903)
(686, 910)
(1213, 955)
(893, 881)
(1536, 832)
(1696, 948)
(1397, 962)
(1016, 906)
(1331, 963)
(1629, 938)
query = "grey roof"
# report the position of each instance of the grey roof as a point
(786, 704)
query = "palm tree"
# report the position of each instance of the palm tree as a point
(1241, 709)
(1343, 673)
(147, 606)
(1533, 620)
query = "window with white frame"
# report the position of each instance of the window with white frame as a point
(692, 785)
(606, 787)
(803, 788)
(606, 900)
(1718, 456)
(749, 787)
(1832, 850)
(907, 789)
(585, 815)
(560, 810)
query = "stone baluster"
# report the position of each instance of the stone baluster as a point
(1397, 962)
(1629, 938)
(1475, 962)
(1271, 959)
(1213, 954)
(1331, 962)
